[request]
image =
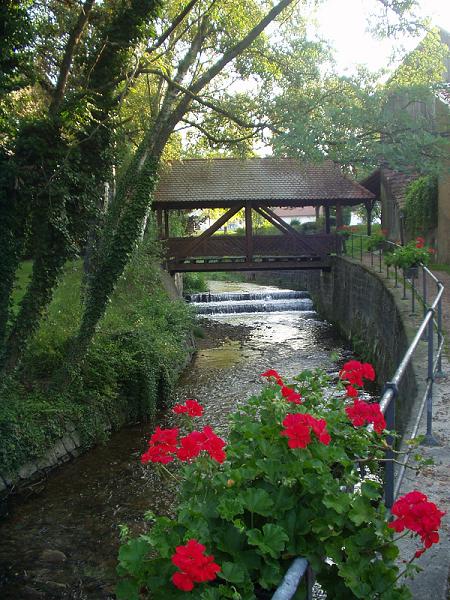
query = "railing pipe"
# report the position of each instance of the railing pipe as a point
(429, 439)
(291, 580)
(424, 288)
(440, 338)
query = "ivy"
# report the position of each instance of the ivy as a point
(421, 207)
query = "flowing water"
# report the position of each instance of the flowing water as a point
(62, 543)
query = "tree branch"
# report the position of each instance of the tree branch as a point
(178, 19)
(238, 48)
(217, 140)
(72, 43)
(214, 107)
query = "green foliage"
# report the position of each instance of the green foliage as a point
(421, 208)
(268, 503)
(127, 375)
(194, 282)
(376, 241)
(410, 255)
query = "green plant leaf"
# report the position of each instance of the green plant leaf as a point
(127, 589)
(271, 540)
(232, 572)
(257, 501)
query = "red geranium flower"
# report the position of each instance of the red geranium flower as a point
(351, 391)
(291, 395)
(354, 372)
(415, 512)
(361, 413)
(420, 242)
(271, 373)
(298, 429)
(191, 407)
(206, 440)
(161, 446)
(195, 566)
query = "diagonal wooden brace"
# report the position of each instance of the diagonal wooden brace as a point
(208, 233)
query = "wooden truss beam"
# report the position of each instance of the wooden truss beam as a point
(214, 227)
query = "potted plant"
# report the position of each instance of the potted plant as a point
(286, 484)
(377, 241)
(409, 257)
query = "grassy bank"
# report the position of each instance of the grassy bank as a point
(130, 368)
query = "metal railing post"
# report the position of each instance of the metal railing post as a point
(424, 282)
(379, 254)
(404, 297)
(413, 295)
(429, 440)
(371, 258)
(396, 276)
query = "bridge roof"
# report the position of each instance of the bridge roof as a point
(224, 182)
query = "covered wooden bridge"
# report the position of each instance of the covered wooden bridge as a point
(255, 184)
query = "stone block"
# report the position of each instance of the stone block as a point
(28, 470)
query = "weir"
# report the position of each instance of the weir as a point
(226, 303)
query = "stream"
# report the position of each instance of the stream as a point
(62, 543)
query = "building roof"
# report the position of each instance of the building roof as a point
(202, 183)
(395, 181)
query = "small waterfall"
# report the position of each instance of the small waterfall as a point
(237, 296)
(251, 302)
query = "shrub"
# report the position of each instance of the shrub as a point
(127, 374)
(421, 207)
(194, 282)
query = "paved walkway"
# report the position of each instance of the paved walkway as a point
(434, 480)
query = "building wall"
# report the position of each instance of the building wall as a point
(443, 231)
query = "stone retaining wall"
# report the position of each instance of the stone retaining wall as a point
(366, 312)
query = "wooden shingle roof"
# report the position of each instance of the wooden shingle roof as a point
(201, 183)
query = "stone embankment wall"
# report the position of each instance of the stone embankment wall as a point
(366, 312)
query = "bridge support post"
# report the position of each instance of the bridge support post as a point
(339, 220)
(248, 232)
(166, 225)
(327, 220)
(159, 222)
(369, 217)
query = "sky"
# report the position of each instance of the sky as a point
(344, 24)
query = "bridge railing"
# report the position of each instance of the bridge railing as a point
(430, 328)
(262, 245)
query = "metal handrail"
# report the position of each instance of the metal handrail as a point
(427, 327)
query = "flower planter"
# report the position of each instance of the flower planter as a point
(411, 272)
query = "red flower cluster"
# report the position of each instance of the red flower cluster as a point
(197, 441)
(195, 566)
(163, 446)
(271, 373)
(191, 407)
(287, 392)
(354, 372)
(298, 429)
(361, 413)
(420, 242)
(291, 395)
(416, 513)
